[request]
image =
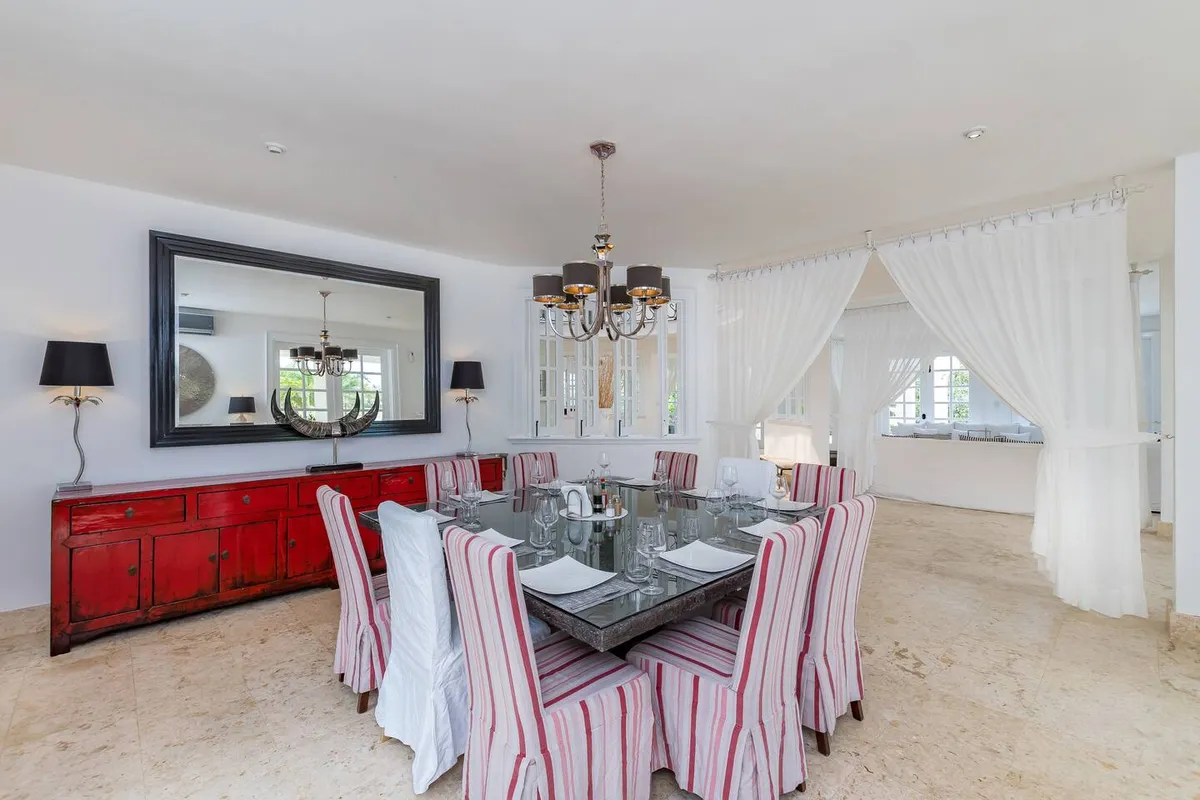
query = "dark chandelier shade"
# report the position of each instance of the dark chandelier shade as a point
(467, 375)
(76, 364)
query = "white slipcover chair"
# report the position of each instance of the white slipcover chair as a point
(423, 697)
(755, 476)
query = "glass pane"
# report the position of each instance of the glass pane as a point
(942, 362)
(372, 364)
(960, 393)
(941, 378)
(941, 394)
(912, 394)
(962, 413)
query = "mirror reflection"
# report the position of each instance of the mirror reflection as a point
(243, 332)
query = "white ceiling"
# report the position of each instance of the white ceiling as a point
(220, 286)
(745, 130)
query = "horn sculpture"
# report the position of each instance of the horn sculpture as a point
(348, 425)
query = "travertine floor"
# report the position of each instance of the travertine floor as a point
(980, 684)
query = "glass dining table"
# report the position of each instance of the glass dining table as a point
(618, 611)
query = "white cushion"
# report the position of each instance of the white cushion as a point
(974, 433)
(969, 426)
(930, 431)
(1016, 437)
(903, 430)
(1004, 429)
(1035, 433)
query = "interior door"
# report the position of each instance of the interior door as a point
(185, 566)
(249, 555)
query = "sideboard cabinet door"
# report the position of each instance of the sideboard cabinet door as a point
(249, 555)
(185, 566)
(104, 579)
(307, 546)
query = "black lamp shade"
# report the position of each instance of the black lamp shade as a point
(665, 297)
(644, 280)
(466, 375)
(618, 298)
(580, 277)
(241, 405)
(548, 289)
(76, 364)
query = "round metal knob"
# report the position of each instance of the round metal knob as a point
(132, 569)
(212, 558)
(291, 542)
(129, 513)
(224, 555)
(245, 499)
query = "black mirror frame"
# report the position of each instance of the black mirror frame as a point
(164, 432)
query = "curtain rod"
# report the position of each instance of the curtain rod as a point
(1117, 195)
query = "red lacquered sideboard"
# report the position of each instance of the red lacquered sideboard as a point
(131, 554)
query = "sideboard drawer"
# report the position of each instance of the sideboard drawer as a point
(100, 517)
(407, 483)
(356, 487)
(231, 502)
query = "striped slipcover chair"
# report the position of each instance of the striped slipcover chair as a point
(461, 468)
(364, 627)
(681, 467)
(727, 714)
(523, 467)
(551, 720)
(831, 669)
(822, 484)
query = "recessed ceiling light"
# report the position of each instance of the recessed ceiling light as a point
(275, 148)
(976, 132)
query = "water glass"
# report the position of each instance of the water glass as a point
(637, 563)
(539, 473)
(470, 496)
(714, 504)
(545, 520)
(652, 542)
(660, 468)
(691, 528)
(729, 477)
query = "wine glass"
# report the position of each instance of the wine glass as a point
(714, 504)
(652, 542)
(691, 528)
(604, 464)
(448, 484)
(470, 496)
(778, 489)
(539, 474)
(729, 477)
(545, 518)
(660, 468)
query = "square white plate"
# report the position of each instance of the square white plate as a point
(438, 517)
(484, 497)
(706, 558)
(563, 576)
(771, 504)
(499, 538)
(698, 493)
(764, 527)
(642, 483)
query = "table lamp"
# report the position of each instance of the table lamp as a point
(76, 364)
(241, 406)
(467, 375)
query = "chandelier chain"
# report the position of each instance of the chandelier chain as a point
(603, 200)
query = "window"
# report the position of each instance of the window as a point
(951, 390)
(328, 397)
(791, 407)
(601, 388)
(906, 408)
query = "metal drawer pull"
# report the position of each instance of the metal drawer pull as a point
(291, 542)
(129, 513)
(212, 558)
(245, 499)
(224, 555)
(132, 569)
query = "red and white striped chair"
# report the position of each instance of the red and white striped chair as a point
(364, 628)
(681, 467)
(461, 468)
(831, 670)
(822, 484)
(727, 713)
(523, 464)
(557, 720)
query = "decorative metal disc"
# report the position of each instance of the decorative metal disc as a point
(196, 383)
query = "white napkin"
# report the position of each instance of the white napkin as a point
(764, 527)
(484, 497)
(438, 517)
(499, 538)
(576, 501)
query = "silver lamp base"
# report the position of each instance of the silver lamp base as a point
(70, 488)
(467, 454)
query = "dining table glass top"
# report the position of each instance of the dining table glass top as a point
(608, 545)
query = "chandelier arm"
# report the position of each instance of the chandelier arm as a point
(571, 335)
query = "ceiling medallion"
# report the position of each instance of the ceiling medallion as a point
(585, 292)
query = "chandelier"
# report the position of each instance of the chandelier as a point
(587, 296)
(328, 359)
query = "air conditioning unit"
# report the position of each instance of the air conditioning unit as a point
(197, 321)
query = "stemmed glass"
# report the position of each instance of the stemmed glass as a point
(778, 490)
(729, 477)
(545, 520)
(660, 469)
(652, 542)
(714, 504)
(604, 463)
(447, 483)
(691, 528)
(470, 496)
(539, 474)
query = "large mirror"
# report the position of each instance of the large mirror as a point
(232, 326)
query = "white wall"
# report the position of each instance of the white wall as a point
(805, 442)
(1186, 297)
(989, 476)
(74, 264)
(1166, 344)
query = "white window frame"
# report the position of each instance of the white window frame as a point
(955, 364)
(583, 367)
(794, 406)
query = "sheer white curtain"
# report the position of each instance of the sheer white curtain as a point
(882, 350)
(771, 326)
(1039, 307)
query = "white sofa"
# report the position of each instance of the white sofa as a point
(1015, 432)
